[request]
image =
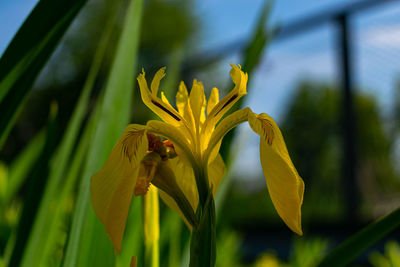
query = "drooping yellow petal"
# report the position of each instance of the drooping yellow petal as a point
(212, 100)
(239, 78)
(112, 187)
(163, 110)
(155, 84)
(285, 186)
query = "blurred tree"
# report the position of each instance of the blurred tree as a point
(312, 130)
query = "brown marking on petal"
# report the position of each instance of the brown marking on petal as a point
(146, 174)
(165, 110)
(268, 130)
(130, 143)
(227, 103)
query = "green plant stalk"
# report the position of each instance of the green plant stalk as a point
(356, 244)
(203, 238)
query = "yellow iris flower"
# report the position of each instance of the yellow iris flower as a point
(193, 136)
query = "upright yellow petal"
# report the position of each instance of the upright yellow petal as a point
(155, 84)
(285, 186)
(239, 78)
(112, 187)
(212, 100)
(197, 99)
(182, 103)
(182, 98)
(163, 110)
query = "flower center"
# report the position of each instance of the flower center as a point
(158, 150)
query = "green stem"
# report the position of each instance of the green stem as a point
(202, 242)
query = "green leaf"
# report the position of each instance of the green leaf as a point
(28, 52)
(88, 244)
(46, 222)
(20, 167)
(359, 242)
(35, 188)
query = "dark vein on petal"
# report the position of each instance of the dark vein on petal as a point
(227, 103)
(165, 110)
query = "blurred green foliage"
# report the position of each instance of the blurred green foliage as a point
(312, 130)
(390, 257)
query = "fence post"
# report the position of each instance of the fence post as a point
(348, 117)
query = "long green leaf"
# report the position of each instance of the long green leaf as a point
(28, 52)
(88, 244)
(45, 222)
(359, 242)
(21, 166)
(35, 188)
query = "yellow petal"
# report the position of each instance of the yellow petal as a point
(197, 99)
(163, 110)
(186, 182)
(285, 186)
(155, 84)
(165, 99)
(182, 98)
(213, 100)
(216, 171)
(151, 223)
(182, 103)
(112, 187)
(239, 78)
(226, 124)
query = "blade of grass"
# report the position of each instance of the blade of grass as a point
(28, 52)
(359, 242)
(45, 221)
(35, 189)
(20, 167)
(54, 226)
(133, 241)
(88, 243)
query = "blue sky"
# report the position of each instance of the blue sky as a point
(311, 55)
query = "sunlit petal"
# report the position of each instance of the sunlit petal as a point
(112, 187)
(197, 101)
(155, 84)
(163, 110)
(225, 125)
(239, 78)
(285, 186)
(212, 100)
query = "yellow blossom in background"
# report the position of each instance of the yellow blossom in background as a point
(192, 136)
